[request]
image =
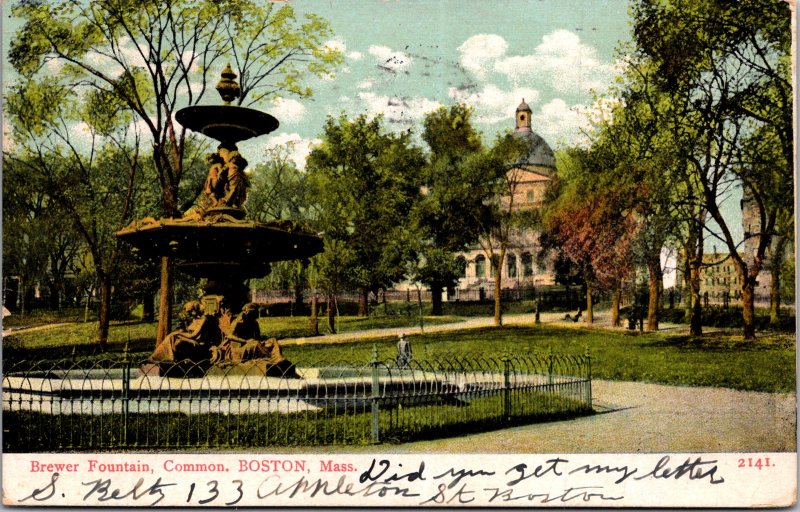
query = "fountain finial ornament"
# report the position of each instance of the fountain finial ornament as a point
(227, 87)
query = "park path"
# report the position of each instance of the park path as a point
(636, 417)
(15, 330)
(631, 417)
(601, 321)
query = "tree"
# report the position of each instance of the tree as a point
(593, 224)
(152, 58)
(39, 244)
(502, 221)
(363, 183)
(278, 189)
(453, 203)
(726, 68)
(94, 187)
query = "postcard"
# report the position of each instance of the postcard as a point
(399, 253)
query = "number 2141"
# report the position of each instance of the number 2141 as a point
(755, 463)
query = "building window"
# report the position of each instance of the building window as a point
(461, 263)
(527, 265)
(480, 266)
(511, 266)
(529, 196)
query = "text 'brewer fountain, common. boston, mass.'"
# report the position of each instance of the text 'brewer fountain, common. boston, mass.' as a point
(215, 241)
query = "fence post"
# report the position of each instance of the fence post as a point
(550, 366)
(126, 386)
(506, 387)
(376, 436)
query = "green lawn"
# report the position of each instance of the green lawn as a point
(716, 359)
(724, 360)
(63, 338)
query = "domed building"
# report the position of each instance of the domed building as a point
(529, 177)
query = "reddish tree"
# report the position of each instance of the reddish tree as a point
(598, 235)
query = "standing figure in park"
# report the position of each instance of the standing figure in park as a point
(403, 352)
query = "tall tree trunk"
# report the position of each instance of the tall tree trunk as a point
(498, 288)
(654, 291)
(105, 309)
(748, 309)
(589, 305)
(695, 258)
(362, 302)
(298, 298)
(436, 298)
(313, 319)
(165, 300)
(696, 319)
(776, 267)
(332, 313)
(687, 288)
(616, 296)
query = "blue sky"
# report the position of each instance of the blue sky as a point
(404, 58)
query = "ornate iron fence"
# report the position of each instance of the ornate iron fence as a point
(122, 403)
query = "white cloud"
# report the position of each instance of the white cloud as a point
(390, 59)
(288, 110)
(297, 147)
(479, 51)
(81, 134)
(365, 84)
(560, 123)
(493, 104)
(131, 54)
(398, 110)
(570, 65)
(336, 45)
(355, 55)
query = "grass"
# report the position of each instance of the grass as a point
(306, 428)
(59, 341)
(717, 359)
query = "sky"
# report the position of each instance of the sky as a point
(405, 58)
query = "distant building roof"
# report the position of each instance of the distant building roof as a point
(539, 152)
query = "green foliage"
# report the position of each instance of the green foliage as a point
(279, 190)
(362, 185)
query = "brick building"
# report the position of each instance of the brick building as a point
(531, 175)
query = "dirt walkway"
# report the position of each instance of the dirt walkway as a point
(601, 321)
(16, 330)
(634, 417)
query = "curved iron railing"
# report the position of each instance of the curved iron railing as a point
(122, 403)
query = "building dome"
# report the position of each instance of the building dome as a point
(539, 153)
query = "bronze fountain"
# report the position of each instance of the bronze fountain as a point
(216, 241)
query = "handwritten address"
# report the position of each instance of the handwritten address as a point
(433, 480)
